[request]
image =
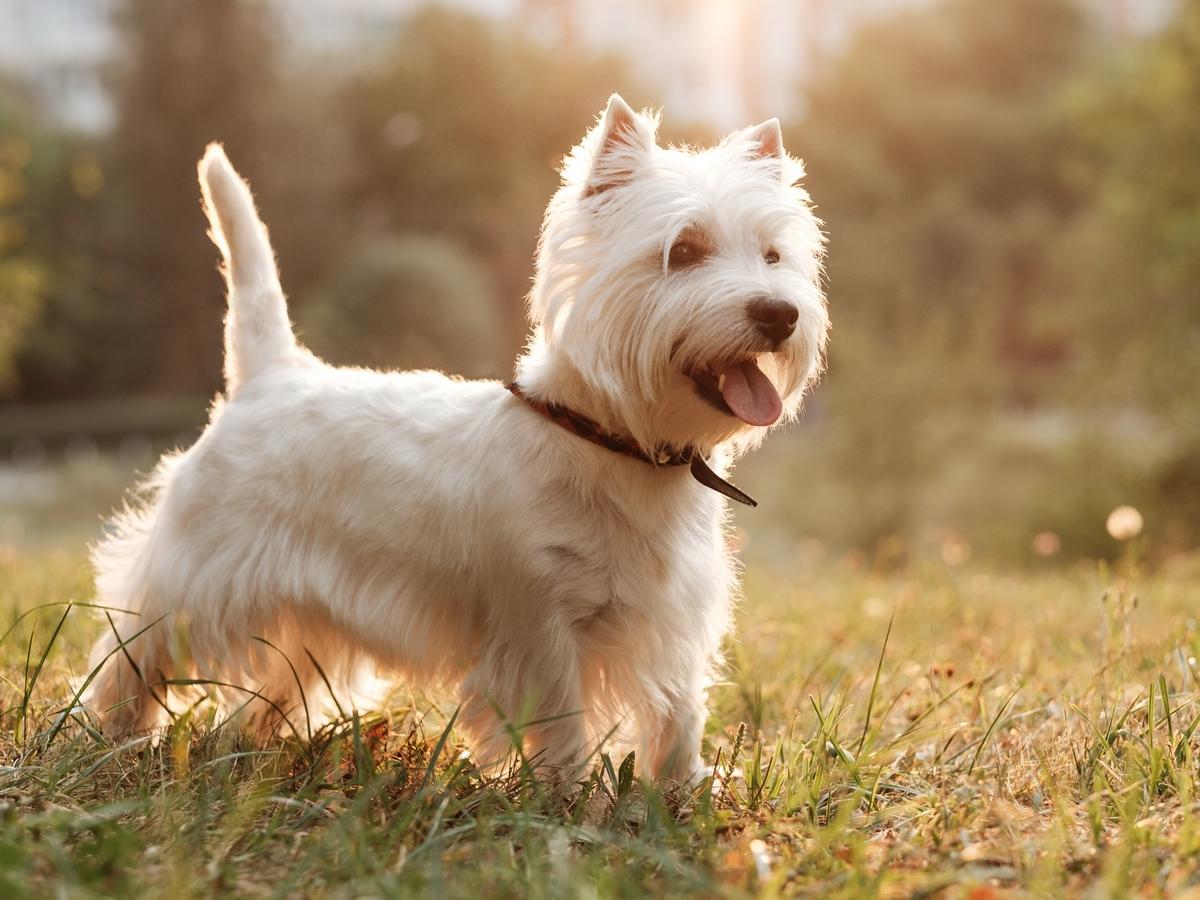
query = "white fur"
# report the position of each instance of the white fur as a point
(442, 528)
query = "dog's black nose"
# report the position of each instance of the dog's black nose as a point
(775, 318)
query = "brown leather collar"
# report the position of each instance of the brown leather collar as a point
(590, 430)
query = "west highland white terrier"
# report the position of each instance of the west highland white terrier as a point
(555, 548)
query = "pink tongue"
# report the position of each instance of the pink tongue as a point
(750, 394)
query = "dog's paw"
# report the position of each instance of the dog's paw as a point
(692, 776)
(716, 782)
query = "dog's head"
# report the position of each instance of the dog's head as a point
(681, 287)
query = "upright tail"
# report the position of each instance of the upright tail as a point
(258, 334)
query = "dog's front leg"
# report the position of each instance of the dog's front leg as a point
(671, 737)
(526, 689)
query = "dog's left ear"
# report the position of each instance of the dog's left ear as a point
(769, 140)
(618, 143)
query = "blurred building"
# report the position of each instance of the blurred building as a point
(339, 26)
(1133, 17)
(56, 49)
(733, 62)
(722, 62)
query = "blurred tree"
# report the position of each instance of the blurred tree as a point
(1139, 253)
(459, 134)
(937, 153)
(422, 139)
(415, 302)
(80, 345)
(20, 302)
(21, 276)
(1143, 315)
(190, 73)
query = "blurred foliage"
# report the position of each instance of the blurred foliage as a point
(134, 302)
(21, 278)
(1142, 245)
(1142, 121)
(936, 150)
(459, 131)
(20, 299)
(419, 136)
(1011, 194)
(1013, 253)
(192, 73)
(419, 299)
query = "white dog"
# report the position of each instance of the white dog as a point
(555, 549)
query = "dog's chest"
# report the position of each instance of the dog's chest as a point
(609, 571)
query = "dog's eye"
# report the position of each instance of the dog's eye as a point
(771, 256)
(684, 253)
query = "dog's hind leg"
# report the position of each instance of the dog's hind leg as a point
(295, 676)
(129, 693)
(134, 654)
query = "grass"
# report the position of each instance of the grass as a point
(943, 731)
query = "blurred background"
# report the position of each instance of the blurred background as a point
(1011, 190)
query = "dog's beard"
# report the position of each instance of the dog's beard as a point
(679, 367)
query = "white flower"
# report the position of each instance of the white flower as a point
(1124, 523)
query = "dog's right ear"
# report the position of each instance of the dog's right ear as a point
(617, 145)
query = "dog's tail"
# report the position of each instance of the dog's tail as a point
(258, 334)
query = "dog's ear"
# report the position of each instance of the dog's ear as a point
(618, 143)
(767, 139)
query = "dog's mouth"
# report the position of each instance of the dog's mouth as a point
(739, 389)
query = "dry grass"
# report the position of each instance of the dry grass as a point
(1032, 732)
